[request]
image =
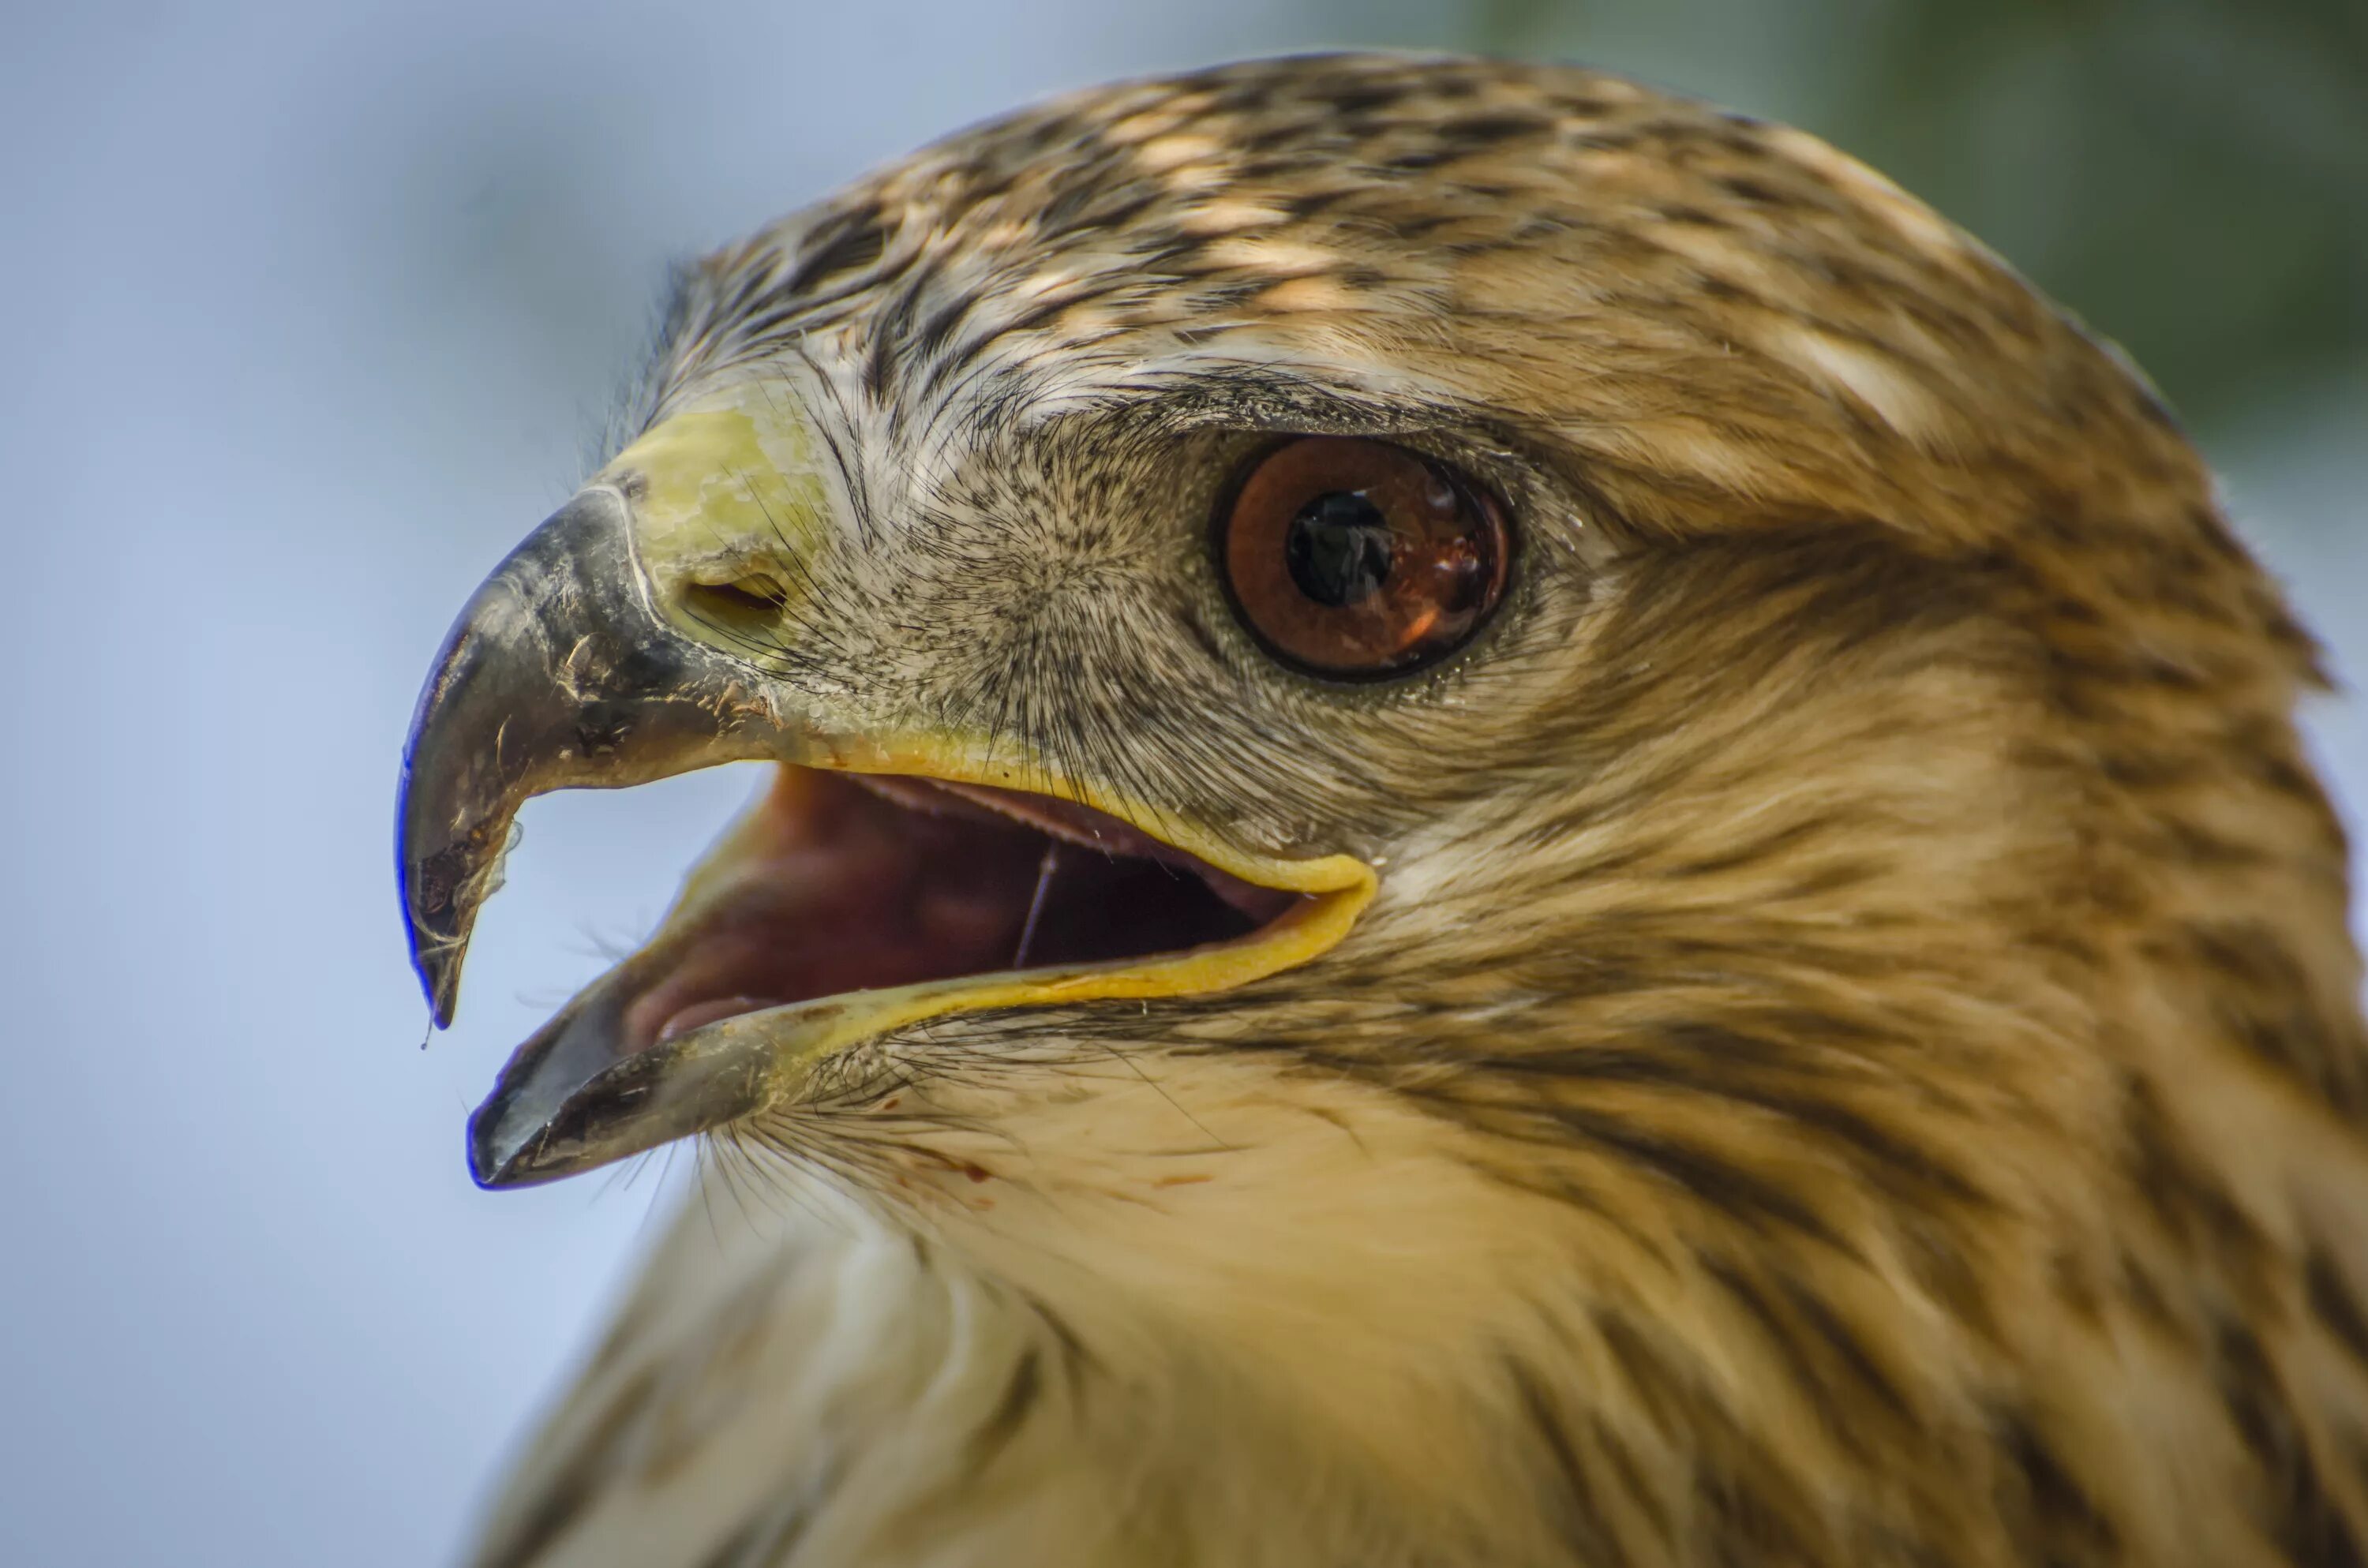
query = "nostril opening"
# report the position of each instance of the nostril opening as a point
(736, 600)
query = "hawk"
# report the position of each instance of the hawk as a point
(1514, 824)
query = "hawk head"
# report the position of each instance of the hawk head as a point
(1537, 820)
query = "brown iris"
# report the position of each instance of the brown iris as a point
(1355, 558)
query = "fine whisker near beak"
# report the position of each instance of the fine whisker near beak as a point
(1036, 902)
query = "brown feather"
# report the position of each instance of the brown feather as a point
(1859, 1027)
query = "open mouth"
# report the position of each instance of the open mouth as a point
(846, 882)
(886, 876)
(841, 906)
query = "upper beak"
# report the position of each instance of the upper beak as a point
(560, 673)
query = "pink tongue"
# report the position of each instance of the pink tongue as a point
(700, 1013)
(834, 890)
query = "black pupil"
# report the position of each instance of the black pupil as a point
(1338, 547)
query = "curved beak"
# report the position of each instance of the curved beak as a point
(559, 674)
(833, 912)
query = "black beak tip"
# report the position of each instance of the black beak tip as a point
(439, 977)
(440, 983)
(434, 951)
(496, 1163)
(485, 1166)
(486, 1170)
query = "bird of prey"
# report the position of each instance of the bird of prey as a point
(1514, 825)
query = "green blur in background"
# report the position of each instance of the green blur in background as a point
(2190, 176)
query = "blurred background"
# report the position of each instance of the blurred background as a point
(315, 306)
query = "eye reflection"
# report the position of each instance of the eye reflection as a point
(1356, 558)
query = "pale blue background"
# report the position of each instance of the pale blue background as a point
(311, 309)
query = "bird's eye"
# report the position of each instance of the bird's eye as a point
(1355, 558)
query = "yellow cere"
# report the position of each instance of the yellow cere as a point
(725, 487)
